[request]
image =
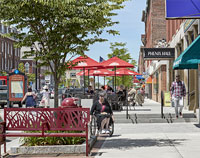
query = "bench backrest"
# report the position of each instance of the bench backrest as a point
(31, 119)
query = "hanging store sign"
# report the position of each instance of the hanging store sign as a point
(158, 53)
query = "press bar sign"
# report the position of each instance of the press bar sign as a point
(158, 53)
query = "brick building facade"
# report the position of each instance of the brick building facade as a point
(9, 55)
(181, 33)
(155, 32)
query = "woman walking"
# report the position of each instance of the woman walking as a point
(45, 97)
(30, 98)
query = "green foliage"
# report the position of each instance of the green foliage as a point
(40, 141)
(3, 73)
(31, 77)
(133, 62)
(119, 50)
(64, 28)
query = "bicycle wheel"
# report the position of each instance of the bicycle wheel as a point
(93, 126)
(111, 128)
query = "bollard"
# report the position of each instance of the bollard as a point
(126, 102)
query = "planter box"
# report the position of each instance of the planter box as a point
(52, 149)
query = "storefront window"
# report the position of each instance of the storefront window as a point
(27, 67)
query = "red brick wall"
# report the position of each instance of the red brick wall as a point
(171, 27)
(158, 21)
(155, 26)
(8, 54)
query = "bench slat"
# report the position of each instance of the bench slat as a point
(45, 135)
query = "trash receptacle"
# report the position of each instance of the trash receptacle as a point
(70, 103)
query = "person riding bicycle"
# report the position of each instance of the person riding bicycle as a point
(102, 110)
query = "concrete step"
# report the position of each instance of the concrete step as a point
(151, 120)
(179, 120)
(123, 121)
(186, 115)
(154, 118)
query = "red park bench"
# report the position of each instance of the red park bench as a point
(45, 119)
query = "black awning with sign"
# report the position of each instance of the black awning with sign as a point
(158, 53)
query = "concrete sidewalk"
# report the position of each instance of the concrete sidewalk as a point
(156, 140)
(152, 140)
(150, 107)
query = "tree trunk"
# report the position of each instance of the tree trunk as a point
(56, 92)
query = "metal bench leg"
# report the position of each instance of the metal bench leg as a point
(87, 145)
(5, 147)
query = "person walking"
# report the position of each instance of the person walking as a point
(45, 97)
(178, 93)
(29, 98)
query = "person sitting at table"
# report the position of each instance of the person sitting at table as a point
(90, 90)
(121, 93)
(109, 89)
(102, 110)
(139, 97)
(103, 91)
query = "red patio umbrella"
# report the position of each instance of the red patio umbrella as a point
(85, 62)
(115, 62)
(135, 80)
(99, 72)
(124, 71)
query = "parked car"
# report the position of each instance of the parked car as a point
(4, 97)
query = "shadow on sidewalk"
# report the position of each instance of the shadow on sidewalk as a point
(141, 110)
(129, 143)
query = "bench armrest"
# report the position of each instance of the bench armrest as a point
(2, 132)
(3, 124)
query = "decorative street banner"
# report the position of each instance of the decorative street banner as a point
(158, 53)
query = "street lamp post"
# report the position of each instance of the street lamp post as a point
(35, 66)
(40, 49)
(36, 62)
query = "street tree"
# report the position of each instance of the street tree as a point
(63, 29)
(119, 50)
(30, 76)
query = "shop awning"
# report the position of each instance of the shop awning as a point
(176, 9)
(149, 80)
(190, 58)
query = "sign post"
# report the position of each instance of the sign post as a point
(17, 87)
(199, 89)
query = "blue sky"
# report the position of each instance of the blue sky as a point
(130, 27)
